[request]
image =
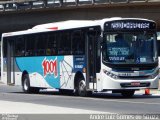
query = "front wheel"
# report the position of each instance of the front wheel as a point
(128, 93)
(81, 89)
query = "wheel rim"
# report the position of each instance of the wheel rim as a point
(81, 87)
(25, 85)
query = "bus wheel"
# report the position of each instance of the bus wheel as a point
(81, 88)
(26, 85)
(128, 93)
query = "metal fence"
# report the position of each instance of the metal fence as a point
(12, 5)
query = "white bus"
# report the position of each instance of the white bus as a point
(83, 56)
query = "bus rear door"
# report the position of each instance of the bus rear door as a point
(10, 62)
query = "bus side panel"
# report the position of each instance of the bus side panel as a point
(67, 77)
(44, 71)
(17, 74)
(68, 69)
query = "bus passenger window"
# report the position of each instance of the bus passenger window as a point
(40, 44)
(51, 47)
(48, 51)
(78, 43)
(64, 43)
(60, 51)
(30, 45)
(19, 46)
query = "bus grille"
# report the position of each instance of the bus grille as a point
(129, 85)
(134, 77)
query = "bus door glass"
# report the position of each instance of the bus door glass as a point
(10, 61)
(91, 57)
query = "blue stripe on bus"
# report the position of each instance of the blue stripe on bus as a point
(48, 67)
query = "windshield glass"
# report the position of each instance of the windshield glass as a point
(129, 48)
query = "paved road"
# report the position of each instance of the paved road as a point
(103, 103)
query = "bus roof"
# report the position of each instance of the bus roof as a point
(69, 24)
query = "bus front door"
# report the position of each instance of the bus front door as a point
(10, 63)
(91, 61)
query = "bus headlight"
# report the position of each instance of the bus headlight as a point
(110, 74)
(154, 75)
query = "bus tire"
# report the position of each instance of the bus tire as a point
(26, 85)
(127, 94)
(81, 89)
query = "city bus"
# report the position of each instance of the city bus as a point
(83, 57)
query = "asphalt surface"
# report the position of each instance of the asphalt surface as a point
(109, 103)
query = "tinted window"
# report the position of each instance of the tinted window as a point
(19, 46)
(30, 45)
(51, 48)
(40, 44)
(64, 40)
(78, 42)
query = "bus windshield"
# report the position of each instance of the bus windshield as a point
(129, 48)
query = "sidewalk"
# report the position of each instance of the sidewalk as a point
(31, 108)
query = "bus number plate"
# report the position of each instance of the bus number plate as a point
(135, 83)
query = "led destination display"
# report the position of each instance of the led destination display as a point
(129, 25)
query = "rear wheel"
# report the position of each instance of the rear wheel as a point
(128, 93)
(26, 85)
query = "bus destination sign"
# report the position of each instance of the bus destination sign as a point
(129, 25)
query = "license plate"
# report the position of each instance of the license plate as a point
(135, 83)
